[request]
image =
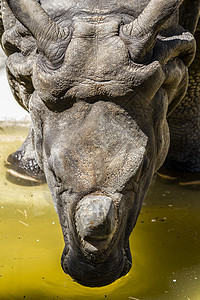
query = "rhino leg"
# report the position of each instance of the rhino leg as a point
(183, 160)
(22, 165)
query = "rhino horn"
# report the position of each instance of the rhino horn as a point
(95, 221)
(143, 30)
(51, 38)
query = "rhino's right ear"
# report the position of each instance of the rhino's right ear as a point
(36, 113)
(144, 29)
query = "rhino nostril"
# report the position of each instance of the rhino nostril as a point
(95, 218)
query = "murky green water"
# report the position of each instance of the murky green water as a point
(165, 243)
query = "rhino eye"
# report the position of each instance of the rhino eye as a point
(57, 179)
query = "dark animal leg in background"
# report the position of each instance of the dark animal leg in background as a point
(183, 160)
(22, 166)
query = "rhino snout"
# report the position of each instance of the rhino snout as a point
(101, 255)
(96, 221)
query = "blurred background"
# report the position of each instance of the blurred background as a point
(9, 108)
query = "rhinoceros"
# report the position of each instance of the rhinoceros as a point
(107, 86)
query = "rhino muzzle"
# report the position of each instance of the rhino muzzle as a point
(101, 256)
(93, 274)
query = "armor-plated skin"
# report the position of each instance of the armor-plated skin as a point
(99, 80)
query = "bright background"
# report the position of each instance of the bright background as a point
(9, 108)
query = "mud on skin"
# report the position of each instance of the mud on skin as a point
(99, 82)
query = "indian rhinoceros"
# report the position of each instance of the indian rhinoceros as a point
(104, 81)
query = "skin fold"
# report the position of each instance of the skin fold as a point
(104, 84)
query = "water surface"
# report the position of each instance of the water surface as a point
(165, 243)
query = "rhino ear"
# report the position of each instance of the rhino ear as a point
(7, 19)
(144, 29)
(52, 40)
(189, 14)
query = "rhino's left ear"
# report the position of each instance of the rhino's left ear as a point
(52, 39)
(36, 113)
(189, 14)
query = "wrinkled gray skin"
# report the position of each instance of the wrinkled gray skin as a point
(99, 79)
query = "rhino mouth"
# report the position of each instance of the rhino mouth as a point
(96, 275)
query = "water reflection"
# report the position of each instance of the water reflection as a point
(165, 243)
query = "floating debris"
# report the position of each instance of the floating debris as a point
(167, 192)
(23, 223)
(25, 214)
(25, 211)
(21, 212)
(163, 219)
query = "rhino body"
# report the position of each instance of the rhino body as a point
(105, 84)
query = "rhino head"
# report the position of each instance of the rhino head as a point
(99, 81)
